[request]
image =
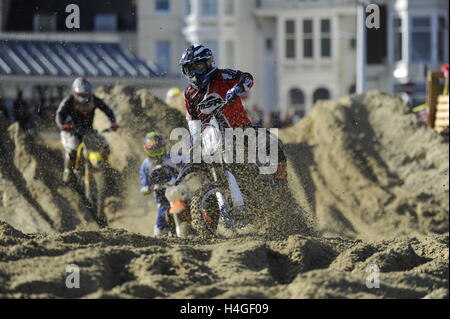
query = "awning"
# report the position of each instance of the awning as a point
(93, 59)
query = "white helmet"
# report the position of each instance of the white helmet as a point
(82, 90)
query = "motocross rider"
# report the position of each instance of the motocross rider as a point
(207, 82)
(156, 173)
(74, 116)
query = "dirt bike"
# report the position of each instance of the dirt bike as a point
(162, 177)
(91, 165)
(227, 203)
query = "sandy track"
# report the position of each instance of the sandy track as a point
(119, 264)
(373, 177)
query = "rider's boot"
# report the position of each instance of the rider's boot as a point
(69, 163)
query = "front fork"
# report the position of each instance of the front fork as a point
(88, 181)
(236, 194)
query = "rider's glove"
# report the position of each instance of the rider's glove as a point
(66, 127)
(115, 127)
(233, 93)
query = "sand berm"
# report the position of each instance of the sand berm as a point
(374, 179)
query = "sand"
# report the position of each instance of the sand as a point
(120, 264)
(367, 168)
(374, 179)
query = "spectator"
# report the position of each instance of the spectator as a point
(287, 120)
(407, 98)
(273, 120)
(276, 120)
(444, 69)
(298, 115)
(256, 116)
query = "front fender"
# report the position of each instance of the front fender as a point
(96, 159)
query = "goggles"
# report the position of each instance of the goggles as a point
(154, 152)
(82, 98)
(191, 69)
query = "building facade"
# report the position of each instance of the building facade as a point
(303, 50)
(159, 32)
(299, 51)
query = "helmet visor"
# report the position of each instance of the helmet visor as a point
(192, 69)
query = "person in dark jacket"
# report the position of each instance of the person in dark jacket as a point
(210, 87)
(75, 117)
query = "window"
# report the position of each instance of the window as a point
(353, 43)
(352, 89)
(44, 23)
(297, 101)
(163, 55)
(105, 22)
(296, 97)
(321, 94)
(214, 47)
(209, 7)
(290, 38)
(442, 27)
(229, 8)
(269, 44)
(229, 54)
(308, 39)
(162, 5)
(188, 6)
(325, 38)
(398, 40)
(421, 39)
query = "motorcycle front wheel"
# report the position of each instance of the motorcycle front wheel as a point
(95, 187)
(99, 203)
(205, 212)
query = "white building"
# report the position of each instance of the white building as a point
(298, 50)
(417, 42)
(301, 50)
(159, 37)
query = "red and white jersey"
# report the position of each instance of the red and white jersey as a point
(200, 103)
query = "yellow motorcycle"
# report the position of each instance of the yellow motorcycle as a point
(91, 166)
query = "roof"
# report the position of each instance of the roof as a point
(54, 58)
